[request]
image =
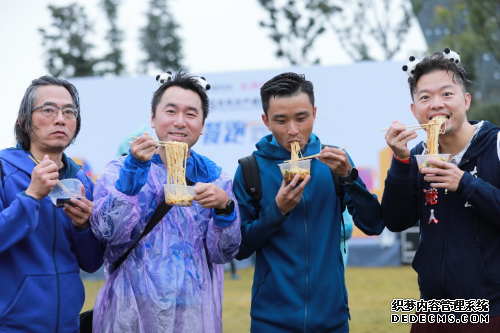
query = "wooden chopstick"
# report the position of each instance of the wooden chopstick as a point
(421, 126)
(58, 182)
(160, 142)
(307, 157)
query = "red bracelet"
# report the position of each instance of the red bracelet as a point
(404, 161)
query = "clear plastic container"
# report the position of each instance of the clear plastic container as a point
(179, 195)
(422, 160)
(290, 169)
(71, 188)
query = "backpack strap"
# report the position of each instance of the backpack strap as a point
(158, 215)
(251, 176)
(339, 190)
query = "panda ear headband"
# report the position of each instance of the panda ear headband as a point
(409, 68)
(165, 77)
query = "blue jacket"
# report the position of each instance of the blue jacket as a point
(41, 253)
(458, 257)
(299, 283)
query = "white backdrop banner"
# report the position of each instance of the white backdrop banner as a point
(353, 101)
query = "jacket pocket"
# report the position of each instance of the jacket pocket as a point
(34, 307)
(427, 263)
(466, 275)
(71, 301)
(261, 285)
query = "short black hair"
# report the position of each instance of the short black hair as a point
(437, 62)
(286, 85)
(185, 81)
(24, 124)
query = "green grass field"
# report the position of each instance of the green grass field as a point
(371, 291)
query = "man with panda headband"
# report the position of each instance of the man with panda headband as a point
(458, 256)
(172, 281)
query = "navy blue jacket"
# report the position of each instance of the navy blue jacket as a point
(41, 253)
(458, 257)
(299, 283)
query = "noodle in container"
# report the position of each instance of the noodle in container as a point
(423, 160)
(289, 170)
(179, 195)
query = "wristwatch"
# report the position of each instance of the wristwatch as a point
(352, 175)
(228, 210)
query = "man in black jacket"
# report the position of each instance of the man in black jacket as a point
(457, 203)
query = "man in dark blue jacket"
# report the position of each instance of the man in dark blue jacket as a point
(458, 257)
(299, 274)
(43, 248)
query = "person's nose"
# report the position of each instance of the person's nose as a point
(293, 129)
(180, 120)
(59, 118)
(436, 103)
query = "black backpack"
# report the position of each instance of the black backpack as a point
(251, 176)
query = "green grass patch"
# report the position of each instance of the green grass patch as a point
(371, 291)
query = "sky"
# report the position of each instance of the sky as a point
(218, 36)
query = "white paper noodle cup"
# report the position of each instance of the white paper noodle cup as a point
(179, 195)
(290, 169)
(422, 160)
(71, 188)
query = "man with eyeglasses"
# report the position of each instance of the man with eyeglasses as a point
(42, 248)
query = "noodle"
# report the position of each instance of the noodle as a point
(288, 175)
(176, 174)
(433, 134)
(432, 142)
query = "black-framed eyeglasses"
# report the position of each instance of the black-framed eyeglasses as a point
(50, 111)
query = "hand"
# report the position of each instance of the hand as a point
(447, 177)
(210, 196)
(144, 147)
(397, 137)
(289, 196)
(43, 179)
(337, 160)
(79, 211)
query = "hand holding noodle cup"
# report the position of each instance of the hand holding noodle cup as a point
(423, 160)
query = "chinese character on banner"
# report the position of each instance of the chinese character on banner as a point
(235, 131)
(212, 132)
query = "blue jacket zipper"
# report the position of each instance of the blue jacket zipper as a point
(55, 267)
(307, 263)
(444, 239)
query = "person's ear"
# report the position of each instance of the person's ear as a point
(468, 99)
(413, 110)
(266, 121)
(152, 119)
(314, 114)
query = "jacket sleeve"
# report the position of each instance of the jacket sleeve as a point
(484, 197)
(399, 201)
(18, 220)
(119, 218)
(223, 233)
(254, 231)
(89, 249)
(364, 207)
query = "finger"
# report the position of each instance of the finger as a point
(200, 187)
(303, 184)
(435, 171)
(84, 206)
(73, 212)
(293, 183)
